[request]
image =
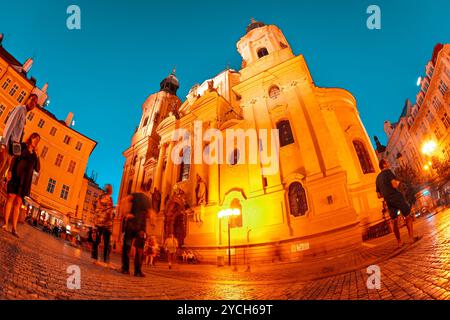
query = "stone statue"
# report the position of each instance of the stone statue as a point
(211, 86)
(200, 193)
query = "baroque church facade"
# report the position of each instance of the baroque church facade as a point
(323, 196)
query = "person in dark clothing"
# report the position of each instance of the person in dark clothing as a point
(94, 238)
(19, 179)
(137, 210)
(104, 220)
(387, 185)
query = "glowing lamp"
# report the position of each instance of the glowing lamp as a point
(429, 147)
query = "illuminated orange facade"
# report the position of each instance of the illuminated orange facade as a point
(90, 191)
(428, 119)
(64, 152)
(321, 198)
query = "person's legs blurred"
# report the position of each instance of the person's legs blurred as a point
(16, 213)
(8, 207)
(106, 244)
(127, 240)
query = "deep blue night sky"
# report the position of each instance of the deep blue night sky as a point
(105, 71)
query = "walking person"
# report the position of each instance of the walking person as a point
(19, 179)
(387, 188)
(137, 208)
(94, 239)
(13, 132)
(171, 247)
(104, 220)
(154, 249)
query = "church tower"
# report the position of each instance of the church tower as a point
(142, 155)
(262, 46)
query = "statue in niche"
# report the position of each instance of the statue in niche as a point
(200, 193)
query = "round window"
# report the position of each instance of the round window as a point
(274, 92)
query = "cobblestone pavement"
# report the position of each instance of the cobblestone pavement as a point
(35, 267)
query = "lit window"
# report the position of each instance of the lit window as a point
(51, 185)
(297, 199)
(438, 133)
(67, 139)
(78, 146)
(262, 52)
(64, 192)
(285, 133)
(41, 123)
(7, 117)
(446, 121)
(6, 84)
(13, 90)
(59, 159)
(442, 87)
(363, 156)
(72, 165)
(44, 152)
(436, 103)
(21, 96)
(53, 131)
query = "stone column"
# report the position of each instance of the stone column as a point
(159, 167)
(213, 178)
(167, 176)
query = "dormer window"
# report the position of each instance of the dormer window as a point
(262, 52)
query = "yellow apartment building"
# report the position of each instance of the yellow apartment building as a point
(64, 152)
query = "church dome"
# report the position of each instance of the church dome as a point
(170, 84)
(254, 25)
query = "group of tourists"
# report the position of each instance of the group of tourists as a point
(18, 161)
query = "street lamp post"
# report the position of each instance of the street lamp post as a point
(229, 213)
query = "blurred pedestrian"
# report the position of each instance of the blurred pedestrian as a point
(94, 239)
(137, 207)
(19, 179)
(104, 220)
(154, 250)
(171, 247)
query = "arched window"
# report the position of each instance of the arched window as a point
(234, 157)
(262, 52)
(285, 133)
(297, 199)
(185, 166)
(363, 156)
(274, 92)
